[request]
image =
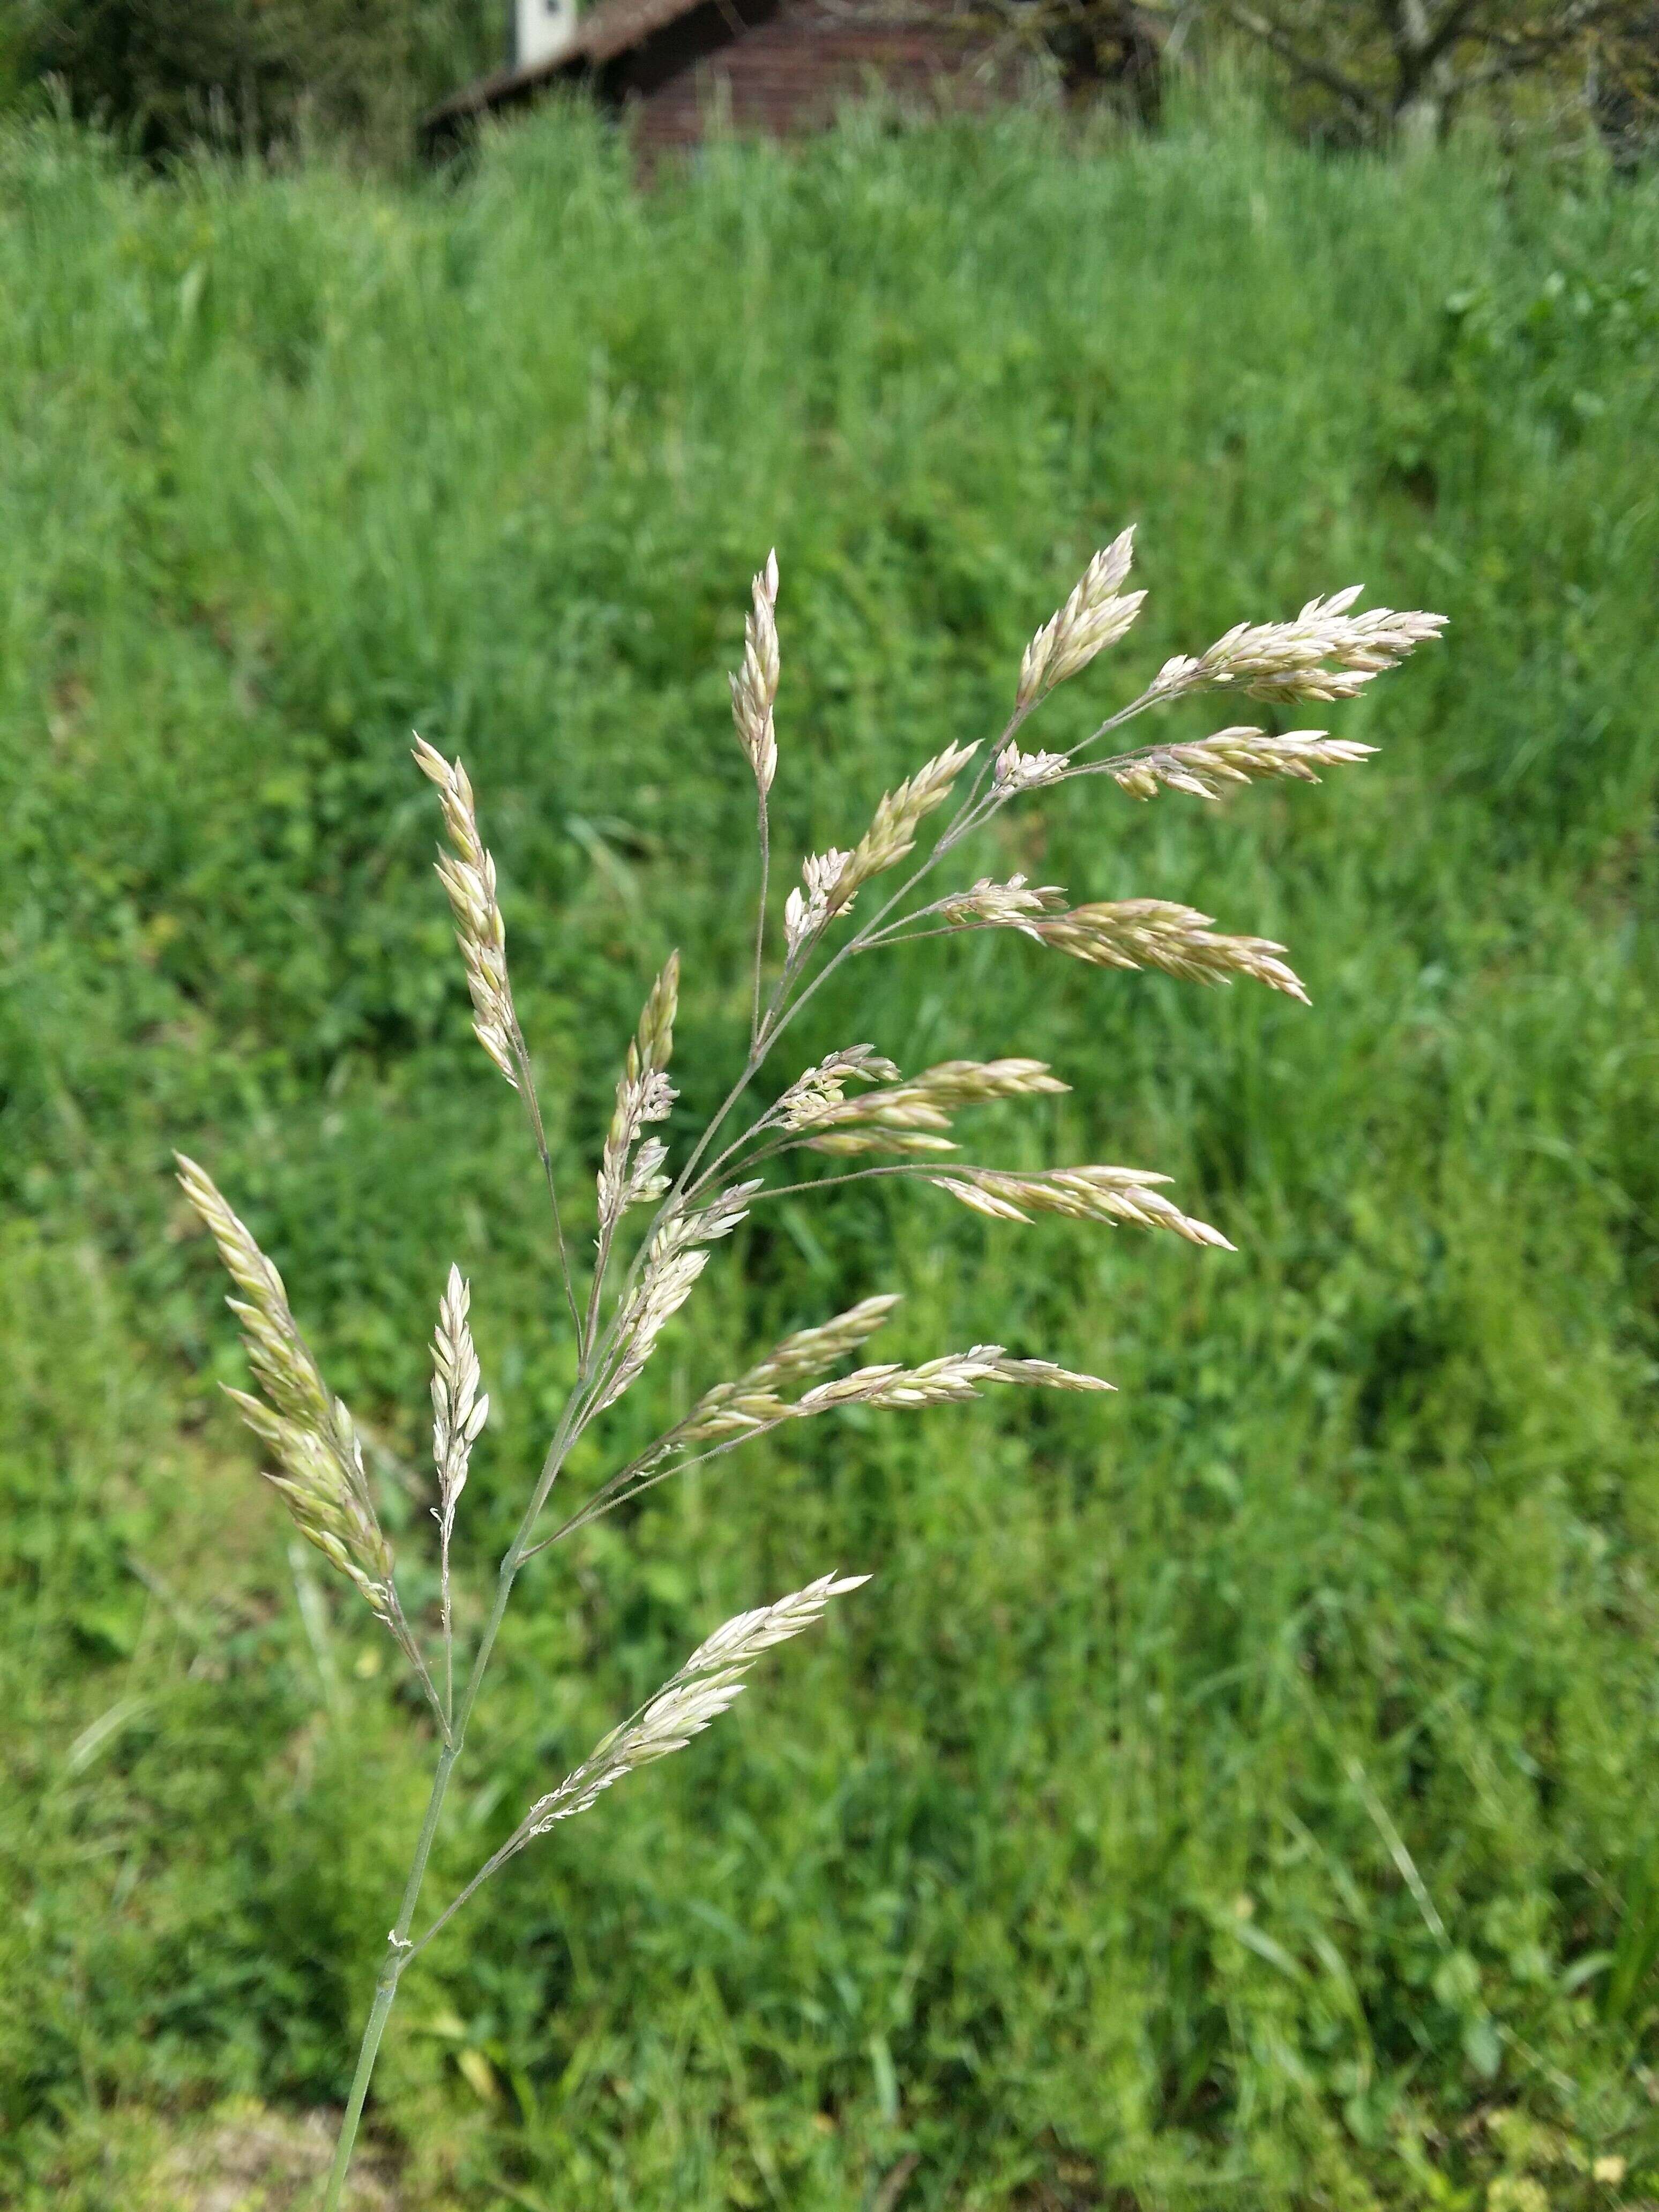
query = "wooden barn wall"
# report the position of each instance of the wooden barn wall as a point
(780, 69)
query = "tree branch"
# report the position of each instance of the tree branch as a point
(1449, 30)
(1515, 55)
(1280, 41)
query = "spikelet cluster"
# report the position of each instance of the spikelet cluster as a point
(644, 1095)
(1096, 616)
(913, 1115)
(755, 685)
(1157, 933)
(1327, 652)
(807, 908)
(1013, 905)
(676, 1257)
(1211, 765)
(1018, 771)
(309, 1432)
(459, 1412)
(823, 1088)
(1129, 1195)
(468, 874)
(711, 1679)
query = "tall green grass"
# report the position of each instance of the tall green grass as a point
(1240, 1795)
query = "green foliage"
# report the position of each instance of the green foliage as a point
(253, 75)
(1369, 70)
(1242, 1791)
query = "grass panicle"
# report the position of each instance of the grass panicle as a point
(855, 1103)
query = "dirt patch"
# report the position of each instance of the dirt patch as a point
(257, 2160)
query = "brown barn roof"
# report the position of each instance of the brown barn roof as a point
(602, 33)
(615, 25)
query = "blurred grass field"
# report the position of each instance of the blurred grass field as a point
(1242, 1794)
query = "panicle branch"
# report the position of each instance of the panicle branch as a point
(676, 1256)
(898, 816)
(733, 1412)
(309, 1432)
(710, 1681)
(1207, 767)
(1158, 933)
(755, 684)
(831, 880)
(468, 874)
(1325, 653)
(752, 1402)
(459, 1412)
(913, 1115)
(1096, 616)
(644, 1095)
(949, 1380)
(1092, 1193)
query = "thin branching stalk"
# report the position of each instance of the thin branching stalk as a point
(763, 828)
(855, 1101)
(539, 1135)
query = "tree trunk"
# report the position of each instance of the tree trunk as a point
(1424, 82)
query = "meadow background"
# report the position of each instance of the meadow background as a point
(1242, 1791)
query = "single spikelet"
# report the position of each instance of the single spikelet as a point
(468, 875)
(644, 1095)
(711, 1679)
(1209, 766)
(755, 685)
(309, 1432)
(1091, 1194)
(1096, 616)
(655, 1039)
(1157, 933)
(458, 1412)
(1327, 652)
(913, 1115)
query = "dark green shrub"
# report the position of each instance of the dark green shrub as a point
(254, 75)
